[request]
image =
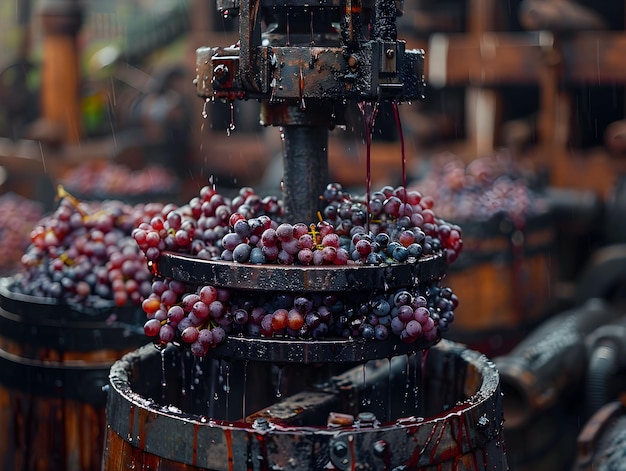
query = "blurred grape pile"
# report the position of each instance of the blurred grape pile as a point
(18, 216)
(107, 180)
(482, 190)
(83, 253)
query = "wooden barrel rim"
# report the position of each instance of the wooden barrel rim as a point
(41, 309)
(475, 424)
(501, 224)
(76, 380)
(71, 336)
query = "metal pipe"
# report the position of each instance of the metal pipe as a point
(550, 361)
(606, 346)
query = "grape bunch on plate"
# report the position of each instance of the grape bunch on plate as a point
(395, 226)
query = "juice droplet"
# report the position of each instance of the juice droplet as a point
(279, 380)
(245, 383)
(288, 42)
(183, 390)
(205, 113)
(227, 382)
(311, 28)
(364, 400)
(231, 125)
(301, 89)
(163, 380)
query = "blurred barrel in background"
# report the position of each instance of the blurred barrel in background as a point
(54, 361)
(503, 279)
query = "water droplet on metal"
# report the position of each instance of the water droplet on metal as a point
(205, 113)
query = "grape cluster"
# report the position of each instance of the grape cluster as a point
(195, 318)
(393, 226)
(485, 188)
(202, 317)
(198, 227)
(108, 179)
(83, 253)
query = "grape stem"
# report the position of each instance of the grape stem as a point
(63, 193)
(316, 237)
(66, 260)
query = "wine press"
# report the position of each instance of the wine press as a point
(309, 403)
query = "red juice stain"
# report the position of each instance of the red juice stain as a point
(369, 111)
(435, 449)
(396, 114)
(229, 447)
(141, 437)
(131, 422)
(263, 451)
(194, 456)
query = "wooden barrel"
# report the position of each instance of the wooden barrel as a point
(54, 362)
(149, 427)
(504, 278)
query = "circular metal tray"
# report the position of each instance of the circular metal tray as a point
(268, 277)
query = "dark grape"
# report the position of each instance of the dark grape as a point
(152, 327)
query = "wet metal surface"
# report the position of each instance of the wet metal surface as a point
(467, 435)
(299, 278)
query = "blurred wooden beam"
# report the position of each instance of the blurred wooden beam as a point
(595, 58)
(489, 59)
(61, 20)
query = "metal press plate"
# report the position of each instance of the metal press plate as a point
(267, 277)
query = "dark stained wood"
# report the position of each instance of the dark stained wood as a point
(502, 292)
(47, 425)
(118, 454)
